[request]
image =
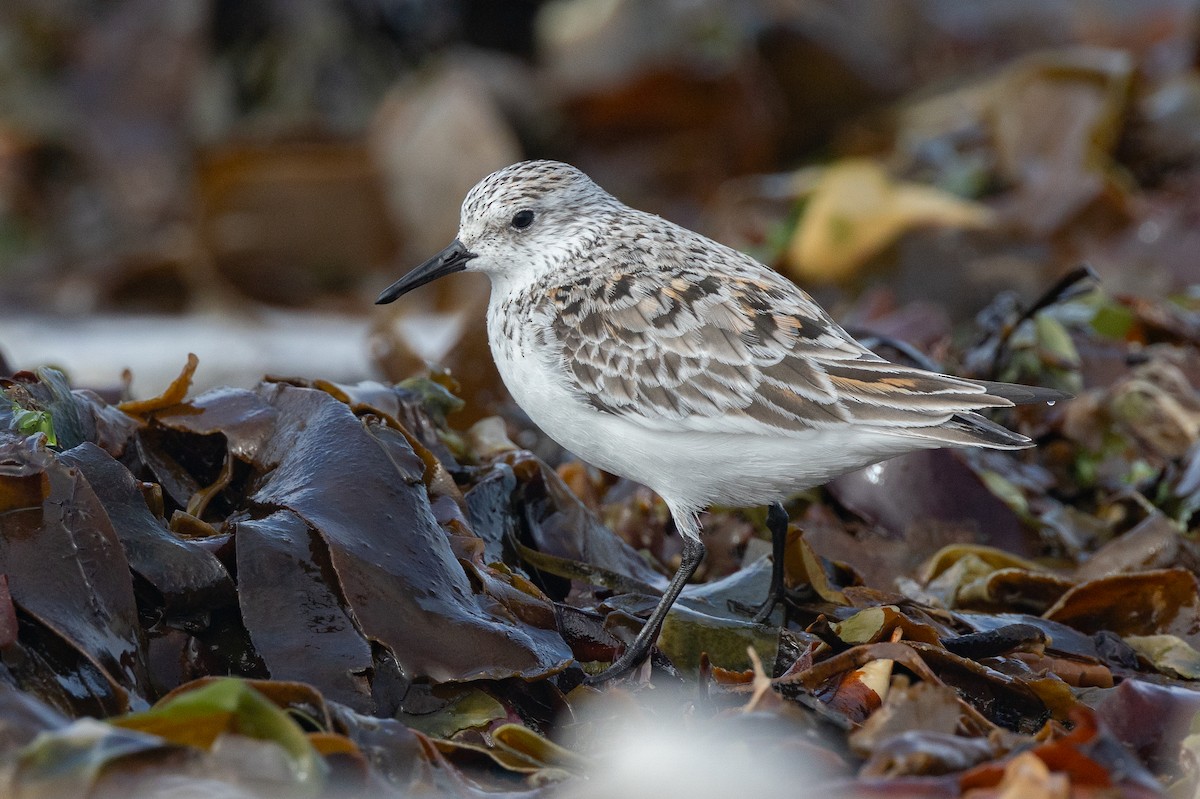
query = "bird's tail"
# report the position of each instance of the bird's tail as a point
(1023, 395)
(969, 429)
(973, 430)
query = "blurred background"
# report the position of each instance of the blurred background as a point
(239, 178)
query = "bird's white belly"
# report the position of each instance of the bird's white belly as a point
(689, 469)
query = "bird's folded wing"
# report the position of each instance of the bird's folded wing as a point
(689, 351)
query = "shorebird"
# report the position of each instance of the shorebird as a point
(660, 355)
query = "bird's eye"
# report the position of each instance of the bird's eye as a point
(522, 219)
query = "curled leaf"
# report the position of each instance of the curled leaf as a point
(200, 716)
(856, 210)
(171, 395)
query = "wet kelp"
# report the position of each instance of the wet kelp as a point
(309, 585)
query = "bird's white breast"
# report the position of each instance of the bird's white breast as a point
(690, 469)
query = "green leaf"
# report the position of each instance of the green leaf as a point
(1054, 342)
(29, 422)
(435, 398)
(1006, 491)
(228, 705)
(470, 709)
(688, 633)
(1113, 321)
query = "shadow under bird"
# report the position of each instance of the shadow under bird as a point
(657, 354)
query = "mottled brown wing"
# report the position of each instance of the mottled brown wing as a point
(688, 351)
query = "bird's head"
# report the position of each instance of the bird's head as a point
(517, 224)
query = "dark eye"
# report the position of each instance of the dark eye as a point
(522, 219)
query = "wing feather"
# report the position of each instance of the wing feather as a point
(679, 349)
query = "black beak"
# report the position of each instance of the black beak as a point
(450, 260)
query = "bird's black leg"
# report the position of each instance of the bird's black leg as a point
(777, 523)
(693, 553)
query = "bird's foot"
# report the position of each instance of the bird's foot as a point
(761, 614)
(629, 661)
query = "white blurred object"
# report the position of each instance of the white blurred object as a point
(432, 138)
(679, 755)
(233, 350)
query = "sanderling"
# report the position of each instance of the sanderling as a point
(660, 355)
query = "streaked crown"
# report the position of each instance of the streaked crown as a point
(532, 183)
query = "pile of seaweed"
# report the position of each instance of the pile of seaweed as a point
(308, 586)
